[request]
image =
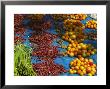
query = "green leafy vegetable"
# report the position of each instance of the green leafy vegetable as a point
(22, 61)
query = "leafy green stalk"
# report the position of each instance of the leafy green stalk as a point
(22, 61)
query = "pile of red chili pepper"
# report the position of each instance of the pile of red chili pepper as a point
(48, 68)
(43, 38)
(18, 28)
(43, 48)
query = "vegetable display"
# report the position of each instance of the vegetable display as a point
(55, 44)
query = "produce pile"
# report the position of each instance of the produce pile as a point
(55, 45)
(22, 62)
(82, 66)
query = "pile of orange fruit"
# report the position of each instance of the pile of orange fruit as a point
(82, 66)
(73, 36)
(78, 16)
(36, 16)
(80, 50)
(91, 24)
(60, 17)
(72, 24)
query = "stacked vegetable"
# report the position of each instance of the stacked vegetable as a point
(22, 61)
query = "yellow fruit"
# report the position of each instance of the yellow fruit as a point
(71, 71)
(86, 60)
(72, 49)
(89, 74)
(88, 26)
(69, 40)
(82, 63)
(81, 59)
(85, 66)
(74, 64)
(81, 44)
(92, 53)
(69, 45)
(66, 33)
(69, 48)
(76, 49)
(71, 54)
(71, 63)
(94, 65)
(81, 74)
(73, 36)
(78, 64)
(72, 41)
(67, 52)
(72, 68)
(78, 61)
(81, 67)
(93, 69)
(88, 65)
(84, 47)
(74, 60)
(95, 26)
(70, 33)
(88, 69)
(90, 60)
(79, 47)
(92, 26)
(92, 72)
(63, 37)
(79, 71)
(75, 71)
(84, 72)
(76, 67)
(74, 45)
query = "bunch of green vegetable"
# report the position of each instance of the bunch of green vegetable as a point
(22, 61)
